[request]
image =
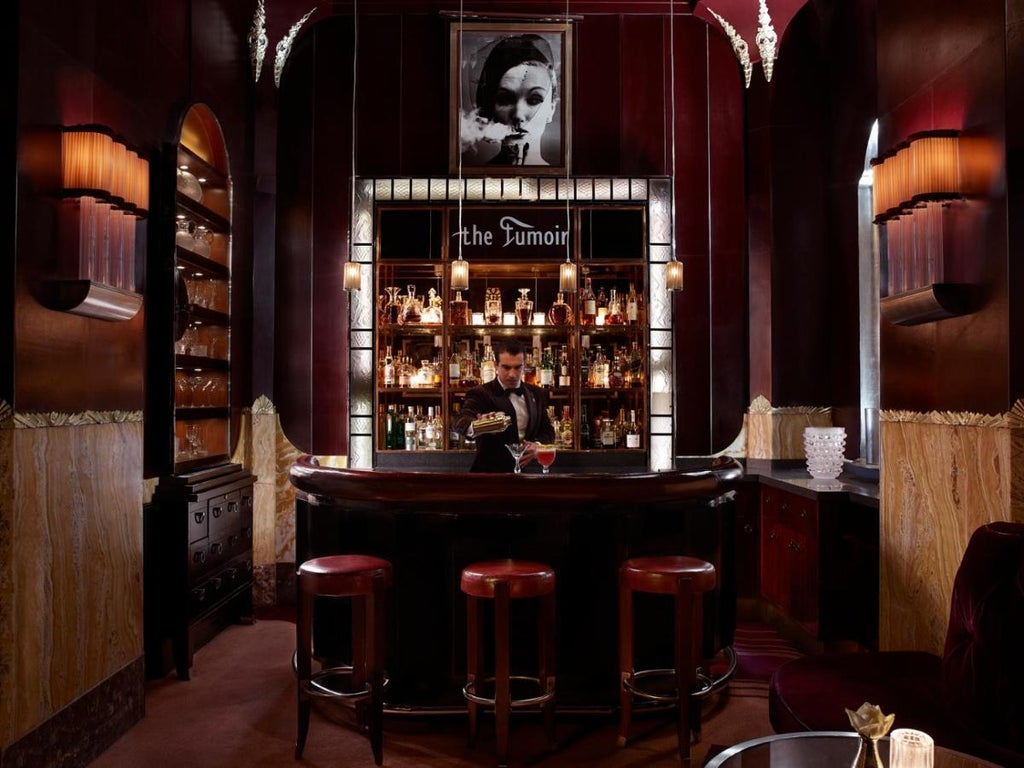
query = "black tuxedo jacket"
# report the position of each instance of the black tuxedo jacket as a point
(491, 453)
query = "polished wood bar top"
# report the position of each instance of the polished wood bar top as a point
(387, 485)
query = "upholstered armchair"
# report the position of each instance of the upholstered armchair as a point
(970, 699)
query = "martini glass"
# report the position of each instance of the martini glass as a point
(545, 456)
(517, 450)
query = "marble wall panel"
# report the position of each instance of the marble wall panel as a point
(778, 433)
(943, 475)
(71, 583)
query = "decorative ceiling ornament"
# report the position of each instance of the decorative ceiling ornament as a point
(766, 40)
(258, 39)
(739, 46)
(749, 21)
(284, 47)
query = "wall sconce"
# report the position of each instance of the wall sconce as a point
(912, 184)
(104, 190)
(353, 278)
(674, 275)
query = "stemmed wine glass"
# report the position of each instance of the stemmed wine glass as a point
(545, 456)
(517, 450)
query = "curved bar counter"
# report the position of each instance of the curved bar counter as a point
(431, 525)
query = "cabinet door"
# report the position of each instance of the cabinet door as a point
(773, 561)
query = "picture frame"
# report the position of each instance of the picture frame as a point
(511, 89)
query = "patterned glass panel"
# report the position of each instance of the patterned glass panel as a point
(584, 189)
(439, 189)
(360, 452)
(661, 403)
(361, 304)
(660, 213)
(659, 303)
(529, 189)
(474, 189)
(420, 189)
(620, 189)
(382, 189)
(661, 338)
(661, 425)
(638, 189)
(493, 188)
(602, 189)
(363, 252)
(362, 338)
(403, 189)
(661, 370)
(548, 189)
(659, 254)
(361, 425)
(661, 452)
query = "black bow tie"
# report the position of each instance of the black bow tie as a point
(520, 390)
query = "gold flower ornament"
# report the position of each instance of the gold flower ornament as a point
(869, 721)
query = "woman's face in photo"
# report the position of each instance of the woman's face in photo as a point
(524, 99)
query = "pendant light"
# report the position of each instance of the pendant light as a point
(353, 276)
(567, 272)
(460, 268)
(674, 268)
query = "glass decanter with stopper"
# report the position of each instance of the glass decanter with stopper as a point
(492, 306)
(412, 307)
(560, 313)
(458, 310)
(393, 308)
(524, 308)
(432, 313)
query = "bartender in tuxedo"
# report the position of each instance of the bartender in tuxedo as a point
(507, 393)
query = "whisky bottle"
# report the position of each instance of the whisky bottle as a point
(458, 310)
(410, 430)
(632, 431)
(564, 377)
(560, 313)
(564, 434)
(599, 369)
(454, 369)
(584, 428)
(616, 372)
(588, 304)
(614, 316)
(547, 369)
(487, 367)
(389, 370)
(632, 306)
(607, 433)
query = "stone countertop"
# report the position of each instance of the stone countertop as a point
(791, 475)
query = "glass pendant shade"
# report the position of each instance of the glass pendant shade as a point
(460, 275)
(567, 277)
(353, 276)
(674, 275)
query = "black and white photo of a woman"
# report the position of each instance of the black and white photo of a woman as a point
(512, 104)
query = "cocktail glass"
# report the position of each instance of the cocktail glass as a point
(545, 456)
(517, 450)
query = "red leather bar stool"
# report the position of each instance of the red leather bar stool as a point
(687, 579)
(365, 580)
(503, 581)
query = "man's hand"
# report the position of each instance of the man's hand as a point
(530, 454)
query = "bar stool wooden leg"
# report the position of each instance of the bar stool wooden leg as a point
(474, 672)
(625, 658)
(502, 671)
(697, 633)
(686, 664)
(303, 643)
(373, 608)
(547, 663)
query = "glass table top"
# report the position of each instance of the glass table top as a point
(823, 749)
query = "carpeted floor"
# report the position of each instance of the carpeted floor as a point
(239, 710)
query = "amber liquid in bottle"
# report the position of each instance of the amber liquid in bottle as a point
(458, 310)
(560, 313)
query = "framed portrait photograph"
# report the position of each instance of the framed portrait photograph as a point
(511, 97)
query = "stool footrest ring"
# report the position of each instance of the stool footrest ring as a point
(317, 685)
(632, 684)
(469, 691)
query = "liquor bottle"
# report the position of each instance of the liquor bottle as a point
(599, 369)
(410, 430)
(564, 434)
(426, 430)
(584, 428)
(397, 430)
(635, 366)
(454, 369)
(458, 310)
(607, 433)
(588, 304)
(614, 316)
(616, 372)
(560, 313)
(530, 366)
(487, 367)
(585, 365)
(564, 377)
(547, 369)
(596, 428)
(389, 369)
(632, 306)
(602, 300)
(632, 431)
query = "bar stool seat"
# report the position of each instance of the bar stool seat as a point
(503, 581)
(365, 579)
(687, 579)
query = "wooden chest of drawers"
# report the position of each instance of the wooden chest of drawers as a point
(198, 562)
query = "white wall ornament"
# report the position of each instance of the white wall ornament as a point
(257, 39)
(284, 47)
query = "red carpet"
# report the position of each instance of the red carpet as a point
(238, 711)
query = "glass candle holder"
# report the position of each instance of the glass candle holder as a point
(909, 748)
(824, 449)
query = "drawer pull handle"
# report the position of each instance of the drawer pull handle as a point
(216, 582)
(748, 528)
(772, 535)
(199, 557)
(217, 511)
(200, 516)
(231, 573)
(233, 540)
(232, 507)
(248, 532)
(216, 548)
(199, 593)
